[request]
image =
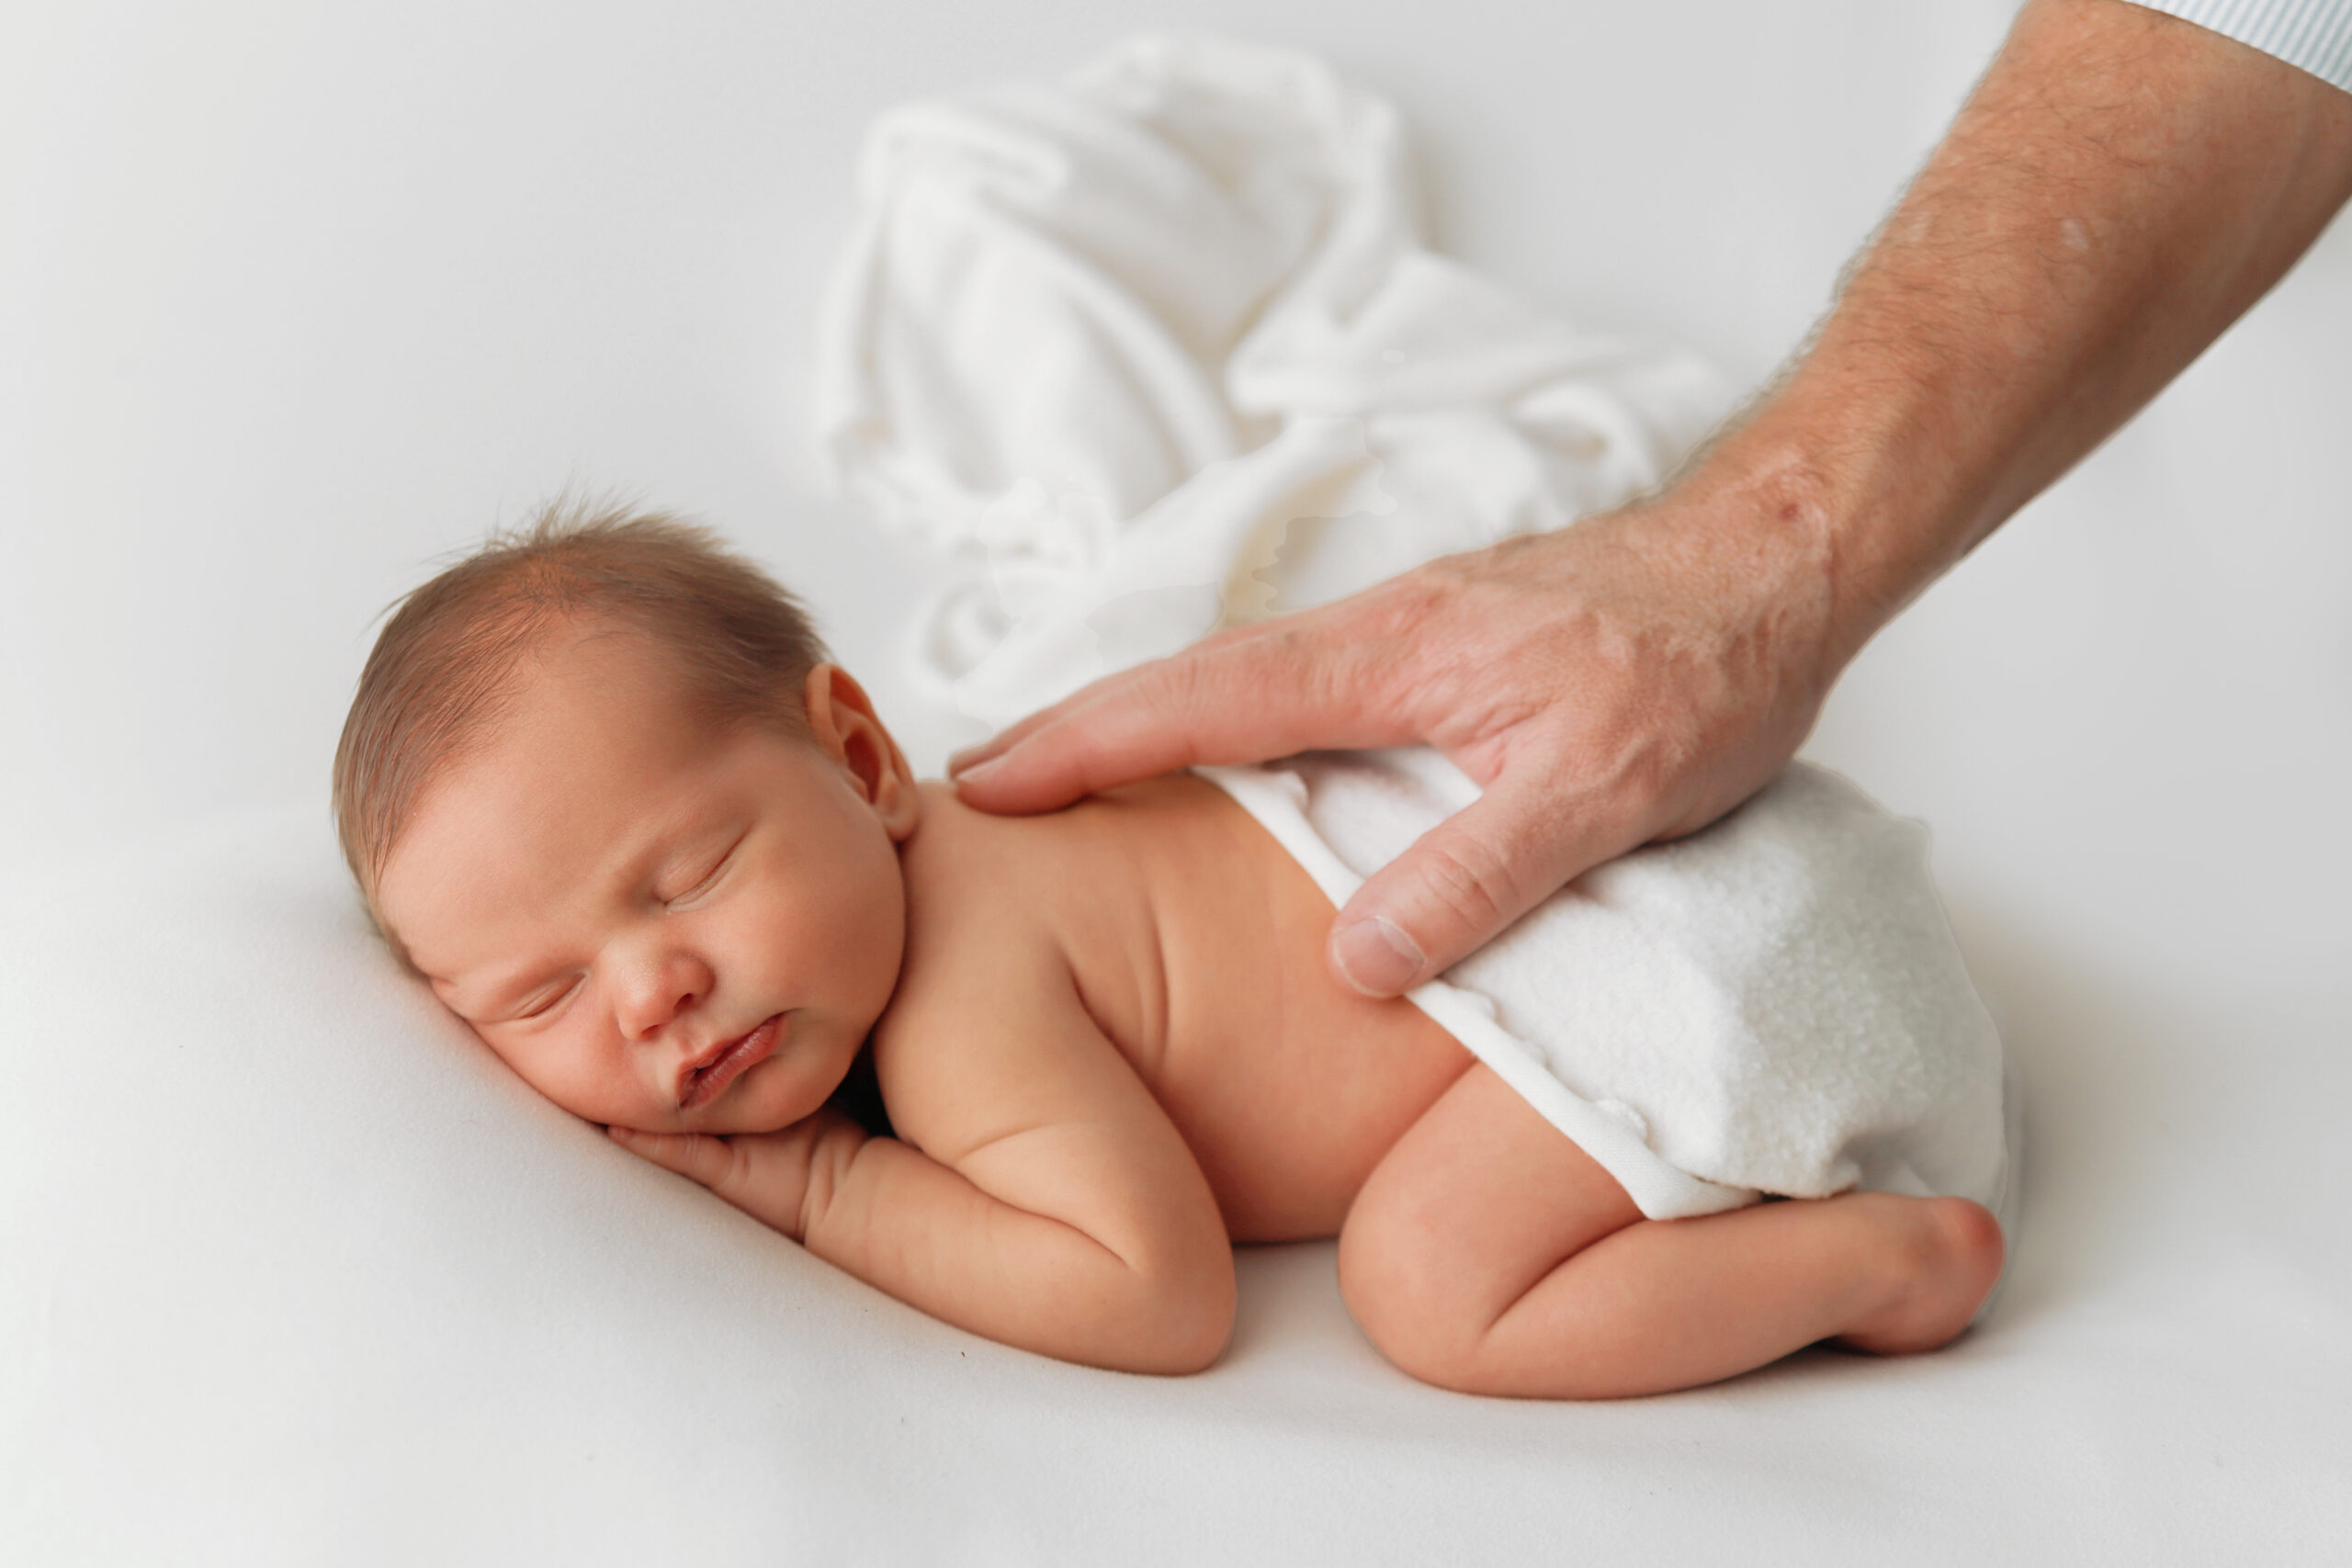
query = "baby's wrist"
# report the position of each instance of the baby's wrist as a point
(828, 1145)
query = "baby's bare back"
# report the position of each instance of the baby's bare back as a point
(1113, 1050)
(1196, 944)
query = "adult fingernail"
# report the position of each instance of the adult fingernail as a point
(974, 773)
(1376, 956)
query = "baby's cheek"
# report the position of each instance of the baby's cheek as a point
(839, 935)
(881, 943)
(563, 1077)
(800, 1087)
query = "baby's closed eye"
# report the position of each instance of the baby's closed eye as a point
(700, 875)
(540, 1004)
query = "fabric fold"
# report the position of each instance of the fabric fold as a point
(1161, 349)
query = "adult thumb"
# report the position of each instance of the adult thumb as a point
(1461, 883)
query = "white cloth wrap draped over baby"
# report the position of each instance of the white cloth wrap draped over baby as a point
(1775, 1005)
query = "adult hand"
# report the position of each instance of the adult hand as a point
(2121, 185)
(1632, 678)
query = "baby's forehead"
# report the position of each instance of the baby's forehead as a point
(522, 834)
(603, 654)
(609, 661)
(584, 693)
(593, 734)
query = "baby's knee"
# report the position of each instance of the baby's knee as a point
(1424, 1309)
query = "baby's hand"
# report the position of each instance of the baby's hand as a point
(763, 1174)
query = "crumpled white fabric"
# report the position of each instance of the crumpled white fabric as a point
(1160, 349)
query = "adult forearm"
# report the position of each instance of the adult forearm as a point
(2119, 189)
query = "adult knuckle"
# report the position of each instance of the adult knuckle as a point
(1190, 688)
(1405, 610)
(1470, 881)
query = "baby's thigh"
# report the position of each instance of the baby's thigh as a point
(1479, 1201)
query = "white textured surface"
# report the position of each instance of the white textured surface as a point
(292, 298)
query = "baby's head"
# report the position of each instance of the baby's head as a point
(602, 788)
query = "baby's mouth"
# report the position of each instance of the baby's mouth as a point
(706, 1077)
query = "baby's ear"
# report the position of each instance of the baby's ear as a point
(842, 720)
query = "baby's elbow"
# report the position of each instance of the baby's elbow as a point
(1181, 1321)
(1207, 1326)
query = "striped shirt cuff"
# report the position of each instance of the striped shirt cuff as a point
(2315, 34)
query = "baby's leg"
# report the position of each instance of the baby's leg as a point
(1489, 1253)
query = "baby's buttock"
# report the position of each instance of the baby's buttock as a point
(1776, 1005)
(1288, 1086)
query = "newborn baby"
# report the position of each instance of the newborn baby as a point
(602, 789)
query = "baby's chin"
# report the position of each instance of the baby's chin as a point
(770, 1097)
(745, 1123)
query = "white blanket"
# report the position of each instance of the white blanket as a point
(1161, 350)
(1774, 1005)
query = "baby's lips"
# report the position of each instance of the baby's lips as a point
(706, 1077)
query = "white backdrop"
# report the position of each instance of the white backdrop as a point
(294, 297)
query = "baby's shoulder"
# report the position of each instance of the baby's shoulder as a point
(1004, 915)
(991, 881)
(1024, 927)
(1098, 860)
(986, 926)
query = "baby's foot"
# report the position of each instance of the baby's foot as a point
(1953, 1261)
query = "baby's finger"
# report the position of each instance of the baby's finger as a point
(697, 1156)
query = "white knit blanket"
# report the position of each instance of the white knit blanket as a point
(1160, 349)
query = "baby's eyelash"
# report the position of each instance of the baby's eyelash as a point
(708, 878)
(554, 1000)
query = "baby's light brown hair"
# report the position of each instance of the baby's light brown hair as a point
(443, 670)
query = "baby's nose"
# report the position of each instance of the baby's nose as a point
(664, 988)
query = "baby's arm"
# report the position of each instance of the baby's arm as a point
(1051, 1204)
